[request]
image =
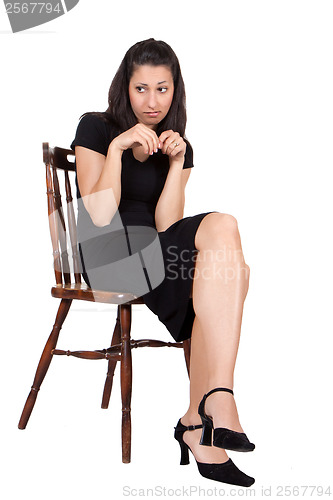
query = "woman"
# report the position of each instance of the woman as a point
(133, 163)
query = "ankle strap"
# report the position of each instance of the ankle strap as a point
(224, 389)
(183, 428)
(193, 427)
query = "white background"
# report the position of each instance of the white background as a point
(259, 82)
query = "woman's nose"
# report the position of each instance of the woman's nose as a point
(152, 101)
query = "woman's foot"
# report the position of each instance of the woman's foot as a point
(221, 407)
(223, 420)
(214, 464)
(204, 454)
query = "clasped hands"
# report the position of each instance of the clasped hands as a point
(169, 142)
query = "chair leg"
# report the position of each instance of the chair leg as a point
(116, 339)
(187, 353)
(126, 380)
(45, 361)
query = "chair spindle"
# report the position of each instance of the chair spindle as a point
(52, 217)
(72, 228)
(61, 227)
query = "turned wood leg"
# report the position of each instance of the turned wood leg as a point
(45, 361)
(187, 353)
(126, 380)
(116, 339)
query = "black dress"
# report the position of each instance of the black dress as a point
(129, 255)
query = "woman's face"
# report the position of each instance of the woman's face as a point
(151, 92)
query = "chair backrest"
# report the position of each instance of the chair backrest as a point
(65, 259)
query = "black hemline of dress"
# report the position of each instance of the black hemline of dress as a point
(171, 300)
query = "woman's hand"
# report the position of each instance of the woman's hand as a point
(139, 135)
(173, 145)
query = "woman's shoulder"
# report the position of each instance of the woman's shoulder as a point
(95, 131)
(98, 119)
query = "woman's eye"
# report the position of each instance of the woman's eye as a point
(142, 89)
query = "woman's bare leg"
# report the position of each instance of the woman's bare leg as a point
(198, 386)
(219, 289)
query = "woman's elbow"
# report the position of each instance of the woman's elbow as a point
(100, 222)
(102, 219)
(101, 216)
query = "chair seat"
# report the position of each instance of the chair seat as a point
(81, 291)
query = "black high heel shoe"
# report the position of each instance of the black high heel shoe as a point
(222, 437)
(225, 472)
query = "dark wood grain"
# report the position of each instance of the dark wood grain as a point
(72, 228)
(44, 362)
(126, 380)
(116, 339)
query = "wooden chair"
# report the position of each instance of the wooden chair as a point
(56, 159)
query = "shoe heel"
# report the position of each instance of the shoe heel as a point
(207, 425)
(206, 435)
(184, 455)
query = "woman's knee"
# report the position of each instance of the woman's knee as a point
(246, 269)
(217, 229)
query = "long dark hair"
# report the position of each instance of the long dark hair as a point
(155, 53)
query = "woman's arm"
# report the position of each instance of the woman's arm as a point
(99, 176)
(99, 180)
(170, 206)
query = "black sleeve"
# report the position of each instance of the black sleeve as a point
(92, 133)
(188, 163)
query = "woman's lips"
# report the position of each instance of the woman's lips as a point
(152, 114)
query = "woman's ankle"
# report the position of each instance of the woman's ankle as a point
(228, 382)
(191, 417)
(221, 407)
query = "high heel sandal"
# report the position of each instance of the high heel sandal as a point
(222, 437)
(225, 472)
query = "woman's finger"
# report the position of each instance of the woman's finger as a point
(175, 148)
(151, 137)
(164, 135)
(179, 149)
(173, 141)
(164, 138)
(146, 141)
